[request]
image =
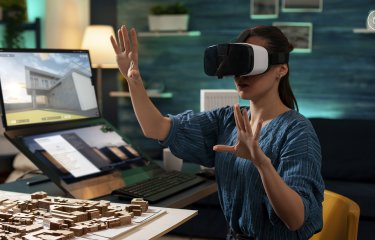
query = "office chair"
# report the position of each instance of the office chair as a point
(340, 218)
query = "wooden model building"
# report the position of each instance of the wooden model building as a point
(43, 217)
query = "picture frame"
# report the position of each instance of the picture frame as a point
(302, 6)
(264, 9)
(299, 35)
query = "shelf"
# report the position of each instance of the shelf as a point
(363, 30)
(170, 34)
(151, 94)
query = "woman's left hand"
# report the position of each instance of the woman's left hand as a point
(247, 145)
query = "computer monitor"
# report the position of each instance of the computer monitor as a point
(75, 154)
(46, 86)
(51, 115)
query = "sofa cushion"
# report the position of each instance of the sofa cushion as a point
(348, 150)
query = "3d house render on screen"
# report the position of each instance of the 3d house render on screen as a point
(73, 91)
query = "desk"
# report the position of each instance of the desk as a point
(161, 225)
(152, 229)
(179, 200)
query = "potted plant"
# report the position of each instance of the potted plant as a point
(168, 17)
(14, 15)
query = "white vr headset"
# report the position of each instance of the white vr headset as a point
(240, 59)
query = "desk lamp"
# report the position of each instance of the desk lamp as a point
(96, 40)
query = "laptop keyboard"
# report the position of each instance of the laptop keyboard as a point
(160, 187)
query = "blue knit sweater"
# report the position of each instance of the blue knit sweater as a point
(289, 140)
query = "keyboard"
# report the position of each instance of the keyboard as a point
(160, 186)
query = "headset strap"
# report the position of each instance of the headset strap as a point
(278, 58)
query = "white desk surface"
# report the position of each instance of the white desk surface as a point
(152, 229)
(160, 225)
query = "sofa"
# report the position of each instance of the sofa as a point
(348, 164)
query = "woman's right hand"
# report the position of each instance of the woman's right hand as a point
(126, 54)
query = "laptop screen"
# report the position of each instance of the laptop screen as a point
(44, 85)
(84, 152)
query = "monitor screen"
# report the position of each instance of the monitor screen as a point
(39, 86)
(84, 152)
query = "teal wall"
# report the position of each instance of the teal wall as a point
(336, 80)
(35, 9)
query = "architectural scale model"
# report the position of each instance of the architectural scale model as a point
(56, 218)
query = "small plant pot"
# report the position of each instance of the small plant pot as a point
(170, 22)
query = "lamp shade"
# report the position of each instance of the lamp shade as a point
(97, 40)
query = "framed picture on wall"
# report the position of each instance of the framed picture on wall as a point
(299, 35)
(263, 9)
(302, 5)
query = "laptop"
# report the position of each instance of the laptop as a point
(50, 113)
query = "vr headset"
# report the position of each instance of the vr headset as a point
(239, 59)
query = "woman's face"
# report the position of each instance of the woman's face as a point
(258, 86)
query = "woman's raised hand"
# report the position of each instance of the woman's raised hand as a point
(247, 145)
(127, 53)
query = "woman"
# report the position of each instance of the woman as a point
(267, 160)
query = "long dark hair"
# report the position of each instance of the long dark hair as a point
(276, 43)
